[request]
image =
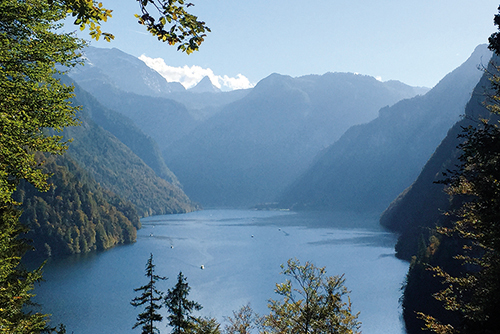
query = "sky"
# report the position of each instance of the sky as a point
(417, 42)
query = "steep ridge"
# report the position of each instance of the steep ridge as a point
(163, 119)
(421, 205)
(118, 169)
(123, 71)
(126, 131)
(372, 163)
(248, 152)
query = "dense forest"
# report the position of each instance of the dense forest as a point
(75, 215)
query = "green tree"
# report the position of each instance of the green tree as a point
(16, 283)
(180, 308)
(312, 303)
(474, 293)
(32, 101)
(150, 299)
(31, 97)
(34, 104)
(168, 20)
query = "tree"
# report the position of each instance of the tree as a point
(34, 104)
(173, 22)
(150, 297)
(474, 293)
(205, 326)
(314, 306)
(32, 101)
(180, 308)
(242, 321)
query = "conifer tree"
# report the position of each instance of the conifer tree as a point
(180, 308)
(150, 299)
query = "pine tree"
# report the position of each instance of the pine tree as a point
(180, 308)
(149, 298)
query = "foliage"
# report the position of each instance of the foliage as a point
(88, 13)
(16, 283)
(150, 297)
(242, 321)
(474, 293)
(75, 215)
(173, 24)
(180, 308)
(31, 98)
(205, 326)
(315, 306)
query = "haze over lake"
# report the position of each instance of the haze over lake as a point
(241, 251)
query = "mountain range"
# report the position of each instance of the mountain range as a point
(338, 141)
(246, 153)
(374, 162)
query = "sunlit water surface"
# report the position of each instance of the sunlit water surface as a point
(241, 252)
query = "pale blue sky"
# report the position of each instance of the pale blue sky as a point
(417, 42)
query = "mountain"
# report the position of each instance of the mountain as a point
(117, 168)
(421, 206)
(249, 151)
(123, 71)
(162, 119)
(205, 86)
(126, 131)
(372, 163)
(416, 212)
(125, 84)
(82, 211)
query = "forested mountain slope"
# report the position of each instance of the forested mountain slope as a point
(125, 130)
(118, 169)
(374, 162)
(76, 215)
(255, 146)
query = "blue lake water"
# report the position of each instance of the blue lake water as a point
(241, 251)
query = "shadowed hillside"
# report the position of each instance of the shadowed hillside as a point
(254, 147)
(374, 162)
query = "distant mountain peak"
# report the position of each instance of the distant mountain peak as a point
(123, 71)
(205, 86)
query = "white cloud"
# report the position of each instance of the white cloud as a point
(190, 76)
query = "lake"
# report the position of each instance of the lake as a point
(241, 252)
